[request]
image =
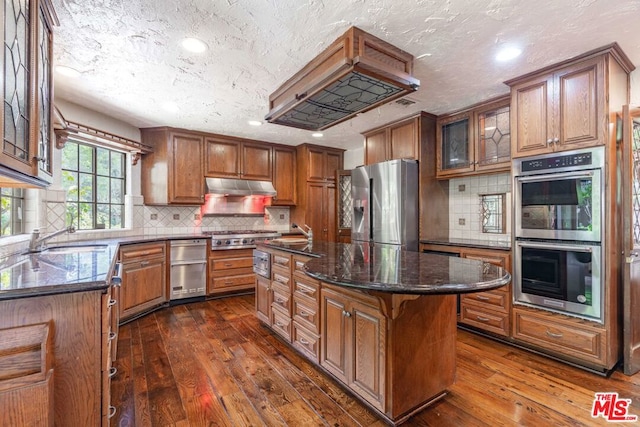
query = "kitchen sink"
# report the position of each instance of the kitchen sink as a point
(72, 249)
(291, 240)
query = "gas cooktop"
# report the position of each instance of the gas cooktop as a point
(238, 239)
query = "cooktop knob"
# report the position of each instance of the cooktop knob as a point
(253, 240)
(218, 242)
(228, 242)
(244, 241)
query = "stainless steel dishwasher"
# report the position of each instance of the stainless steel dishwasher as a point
(188, 268)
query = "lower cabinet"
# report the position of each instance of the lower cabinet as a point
(354, 348)
(577, 340)
(143, 274)
(230, 271)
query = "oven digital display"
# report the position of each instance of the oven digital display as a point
(557, 162)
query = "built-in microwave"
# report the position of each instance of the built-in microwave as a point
(559, 196)
(562, 277)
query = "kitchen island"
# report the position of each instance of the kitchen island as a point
(379, 320)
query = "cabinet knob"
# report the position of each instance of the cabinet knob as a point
(556, 140)
(549, 141)
(345, 313)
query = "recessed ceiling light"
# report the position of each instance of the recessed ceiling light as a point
(508, 53)
(67, 71)
(171, 107)
(317, 135)
(194, 45)
(255, 123)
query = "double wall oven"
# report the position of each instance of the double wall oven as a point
(558, 224)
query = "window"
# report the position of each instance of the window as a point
(11, 202)
(94, 180)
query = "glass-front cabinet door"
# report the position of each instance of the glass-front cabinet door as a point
(493, 137)
(455, 146)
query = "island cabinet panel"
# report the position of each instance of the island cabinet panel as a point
(230, 271)
(284, 176)
(568, 106)
(263, 299)
(143, 273)
(172, 172)
(333, 353)
(77, 349)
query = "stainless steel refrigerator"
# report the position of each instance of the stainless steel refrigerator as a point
(385, 204)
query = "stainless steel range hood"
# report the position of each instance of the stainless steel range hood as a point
(354, 74)
(239, 187)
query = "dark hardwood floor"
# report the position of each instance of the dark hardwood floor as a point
(212, 363)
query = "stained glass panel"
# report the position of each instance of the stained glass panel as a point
(636, 182)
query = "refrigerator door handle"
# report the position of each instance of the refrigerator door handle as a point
(371, 209)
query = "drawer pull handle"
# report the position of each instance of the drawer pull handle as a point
(482, 298)
(112, 411)
(228, 264)
(482, 319)
(303, 341)
(552, 335)
(304, 314)
(228, 282)
(346, 313)
(111, 303)
(281, 280)
(279, 300)
(112, 336)
(113, 371)
(304, 290)
(144, 263)
(278, 324)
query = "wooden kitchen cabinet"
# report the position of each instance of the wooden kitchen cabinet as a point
(284, 176)
(173, 172)
(80, 348)
(397, 141)
(353, 343)
(143, 271)
(230, 271)
(26, 115)
(568, 106)
(316, 205)
(228, 157)
(305, 310)
(474, 140)
(263, 299)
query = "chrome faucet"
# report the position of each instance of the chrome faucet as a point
(308, 234)
(37, 243)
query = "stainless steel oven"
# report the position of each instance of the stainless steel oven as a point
(560, 196)
(559, 276)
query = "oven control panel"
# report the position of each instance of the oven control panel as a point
(557, 162)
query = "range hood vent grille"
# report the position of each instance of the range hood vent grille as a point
(354, 74)
(240, 187)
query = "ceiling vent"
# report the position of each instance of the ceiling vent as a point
(405, 102)
(356, 73)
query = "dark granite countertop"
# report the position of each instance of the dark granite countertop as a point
(469, 243)
(74, 268)
(387, 269)
(314, 249)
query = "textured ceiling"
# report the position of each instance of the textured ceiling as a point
(131, 62)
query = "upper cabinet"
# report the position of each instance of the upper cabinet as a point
(567, 106)
(284, 176)
(473, 141)
(397, 141)
(322, 163)
(172, 173)
(234, 158)
(27, 111)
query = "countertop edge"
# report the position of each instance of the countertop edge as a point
(468, 244)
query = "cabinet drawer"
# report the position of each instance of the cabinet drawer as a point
(229, 263)
(282, 279)
(306, 314)
(281, 298)
(281, 261)
(307, 288)
(231, 281)
(281, 323)
(491, 321)
(298, 263)
(134, 252)
(492, 300)
(306, 341)
(562, 338)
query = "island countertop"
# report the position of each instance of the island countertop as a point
(386, 269)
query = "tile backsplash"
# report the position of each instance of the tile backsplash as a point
(465, 220)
